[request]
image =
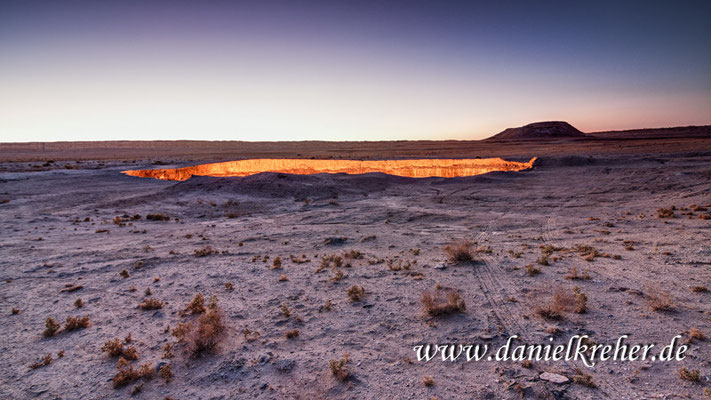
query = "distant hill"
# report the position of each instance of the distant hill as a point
(656, 133)
(540, 130)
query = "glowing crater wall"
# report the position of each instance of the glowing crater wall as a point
(423, 168)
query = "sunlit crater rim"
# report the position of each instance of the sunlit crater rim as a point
(416, 168)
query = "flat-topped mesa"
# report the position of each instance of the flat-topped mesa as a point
(540, 131)
(422, 168)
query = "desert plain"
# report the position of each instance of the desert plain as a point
(623, 218)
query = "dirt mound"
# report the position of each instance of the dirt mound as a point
(540, 130)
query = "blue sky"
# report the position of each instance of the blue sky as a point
(221, 70)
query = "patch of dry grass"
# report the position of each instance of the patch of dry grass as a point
(250, 335)
(696, 334)
(204, 333)
(196, 305)
(338, 368)
(581, 378)
(460, 251)
(689, 375)
(166, 372)
(532, 271)
(205, 251)
(658, 299)
(563, 301)
(355, 293)
(44, 361)
(128, 374)
(666, 212)
(115, 348)
(442, 301)
(157, 217)
(575, 275)
(151, 304)
(51, 327)
(74, 323)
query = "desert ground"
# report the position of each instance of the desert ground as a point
(624, 218)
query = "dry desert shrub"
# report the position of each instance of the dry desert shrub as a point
(51, 327)
(298, 260)
(575, 275)
(127, 374)
(581, 378)
(532, 271)
(44, 361)
(205, 251)
(442, 301)
(74, 323)
(328, 305)
(229, 287)
(168, 350)
(658, 299)
(460, 251)
(696, 334)
(688, 375)
(666, 212)
(549, 249)
(699, 289)
(355, 293)
(276, 263)
(285, 310)
(79, 303)
(157, 217)
(400, 265)
(283, 278)
(338, 368)
(203, 333)
(124, 274)
(353, 255)
(543, 260)
(166, 372)
(291, 334)
(587, 252)
(332, 261)
(15, 311)
(250, 335)
(563, 301)
(427, 381)
(115, 348)
(196, 305)
(151, 304)
(137, 389)
(515, 254)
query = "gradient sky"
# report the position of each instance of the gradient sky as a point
(336, 70)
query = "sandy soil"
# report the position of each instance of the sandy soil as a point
(57, 230)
